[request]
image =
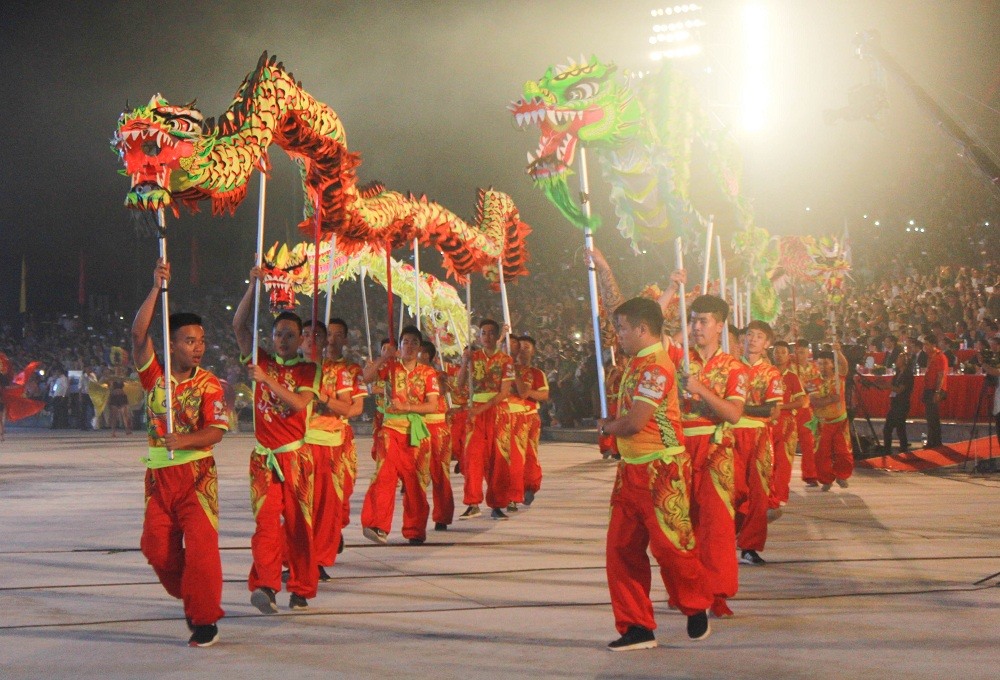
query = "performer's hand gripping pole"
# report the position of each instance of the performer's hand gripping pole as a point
(682, 305)
(168, 387)
(588, 238)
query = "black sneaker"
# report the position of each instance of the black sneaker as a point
(204, 636)
(297, 602)
(263, 599)
(842, 483)
(751, 557)
(498, 515)
(340, 549)
(636, 637)
(417, 541)
(470, 512)
(323, 576)
(698, 626)
(376, 535)
(512, 507)
(440, 526)
(529, 497)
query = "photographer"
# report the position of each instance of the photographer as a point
(899, 403)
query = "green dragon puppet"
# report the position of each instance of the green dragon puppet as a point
(642, 131)
(173, 154)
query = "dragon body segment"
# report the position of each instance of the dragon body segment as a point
(173, 154)
(642, 131)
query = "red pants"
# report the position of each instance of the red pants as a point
(457, 421)
(439, 455)
(400, 462)
(753, 447)
(784, 440)
(180, 536)
(519, 429)
(487, 455)
(807, 444)
(272, 501)
(532, 469)
(327, 505)
(650, 508)
(834, 455)
(608, 444)
(345, 472)
(712, 510)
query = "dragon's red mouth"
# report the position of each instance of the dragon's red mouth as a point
(559, 127)
(150, 154)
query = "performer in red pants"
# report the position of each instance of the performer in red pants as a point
(754, 450)
(784, 437)
(651, 498)
(281, 466)
(487, 448)
(345, 467)
(805, 421)
(458, 413)
(834, 455)
(180, 532)
(717, 386)
(439, 447)
(411, 392)
(533, 387)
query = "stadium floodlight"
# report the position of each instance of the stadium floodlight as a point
(679, 34)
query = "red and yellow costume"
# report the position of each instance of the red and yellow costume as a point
(334, 477)
(458, 414)
(834, 454)
(650, 502)
(487, 442)
(710, 443)
(606, 444)
(755, 456)
(784, 439)
(536, 381)
(401, 456)
(180, 532)
(282, 479)
(805, 422)
(438, 452)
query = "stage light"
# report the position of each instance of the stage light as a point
(866, 217)
(907, 229)
(229, 308)
(877, 223)
(755, 86)
(912, 223)
(808, 209)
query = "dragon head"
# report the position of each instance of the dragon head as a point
(283, 270)
(157, 144)
(578, 103)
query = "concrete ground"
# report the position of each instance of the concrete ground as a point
(895, 576)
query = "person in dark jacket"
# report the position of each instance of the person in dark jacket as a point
(899, 403)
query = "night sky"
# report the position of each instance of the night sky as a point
(422, 88)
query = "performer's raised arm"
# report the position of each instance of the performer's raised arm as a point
(142, 345)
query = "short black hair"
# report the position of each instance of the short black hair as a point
(428, 346)
(762, 326)
(489, 322)
(710, 304)
(311, 323)
(288, 316)
(781, 343)
(931, 339)
(641, 310)
(385, 341)
(411, 330)
(527, 338)
(337, 321)
(178, 320)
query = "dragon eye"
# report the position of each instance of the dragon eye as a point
(585, 89)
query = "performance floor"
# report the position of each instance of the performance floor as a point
(895, 576)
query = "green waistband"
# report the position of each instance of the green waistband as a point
(655, 455)
(272, 462)
(715, 430)
(744, 421)
(324, 437)
(483, 397)
(839, 419)
(159, 457)
(417, 429)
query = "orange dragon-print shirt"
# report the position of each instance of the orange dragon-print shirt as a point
(724, 374)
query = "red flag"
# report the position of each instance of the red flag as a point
(81, 293)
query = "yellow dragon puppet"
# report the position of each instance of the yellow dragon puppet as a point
(173, 154)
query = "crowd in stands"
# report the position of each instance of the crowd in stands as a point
(889, 302)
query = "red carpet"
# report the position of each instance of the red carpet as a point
(921, 460)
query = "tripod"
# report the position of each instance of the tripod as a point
(975, 424)
(860, 404)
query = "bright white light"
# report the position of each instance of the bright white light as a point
(755, 85)
(986, 224)
(912, 223)
(229, 308)
(808, 208)
(866, 217)
(877, 223)
(907, 229)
